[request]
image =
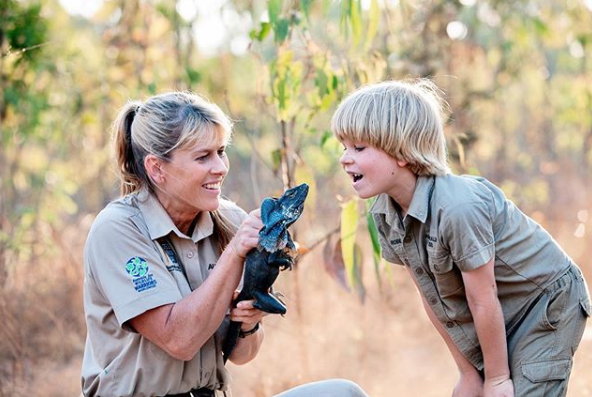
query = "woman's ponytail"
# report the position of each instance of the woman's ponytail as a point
(130, 177)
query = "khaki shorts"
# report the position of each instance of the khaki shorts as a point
(542, 345)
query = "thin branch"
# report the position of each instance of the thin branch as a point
(319, 241)
(23, 50)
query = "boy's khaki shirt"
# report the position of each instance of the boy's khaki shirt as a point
(128, 273)
(458, 223)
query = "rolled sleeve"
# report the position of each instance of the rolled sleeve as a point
(111, 247)
(468, 230)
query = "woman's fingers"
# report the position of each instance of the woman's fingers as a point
(247, 236)
(245, 312)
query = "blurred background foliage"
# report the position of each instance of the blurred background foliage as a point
(517, 76)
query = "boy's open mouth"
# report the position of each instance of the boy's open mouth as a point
(357, 177)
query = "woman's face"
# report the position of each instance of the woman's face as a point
(194, 176)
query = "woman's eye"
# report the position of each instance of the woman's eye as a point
(202, 158)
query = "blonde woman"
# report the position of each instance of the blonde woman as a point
(163, 261)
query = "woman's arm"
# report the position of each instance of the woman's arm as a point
(481, 291)
(182, 328)
(247, 346)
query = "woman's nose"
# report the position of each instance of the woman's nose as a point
(220, 167)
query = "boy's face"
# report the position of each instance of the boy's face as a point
(372, 171)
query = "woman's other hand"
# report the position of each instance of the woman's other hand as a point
(247, 235)
(245, 313)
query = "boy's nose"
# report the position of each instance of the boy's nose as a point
(345, 159)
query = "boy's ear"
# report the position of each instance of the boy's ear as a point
(402, 163)
(154, 169)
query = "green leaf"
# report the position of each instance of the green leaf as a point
(262, 33)
(321, 81)
(373, 231)
(349, 227)
(306, 5)
(193, 75)
(281, 30)
(356, 21)
(373, 21)
(274, 9)
(276, 159)
(326, 135)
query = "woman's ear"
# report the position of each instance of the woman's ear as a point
(154, 169)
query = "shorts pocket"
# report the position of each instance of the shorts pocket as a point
(555, 307)
(545, 371)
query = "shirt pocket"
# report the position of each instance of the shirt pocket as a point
(447, 277)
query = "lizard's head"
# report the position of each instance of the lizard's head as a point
(291, 203)
(278, 214)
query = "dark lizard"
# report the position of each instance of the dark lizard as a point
(276, 251)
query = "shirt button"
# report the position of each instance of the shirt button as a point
(418, 270)
(433, 300)
(449, 324)
(190, 254)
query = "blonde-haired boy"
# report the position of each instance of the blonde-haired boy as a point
(510, 304)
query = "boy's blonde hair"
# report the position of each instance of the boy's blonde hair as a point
(403, 118)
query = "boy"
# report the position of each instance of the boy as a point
(507, 300)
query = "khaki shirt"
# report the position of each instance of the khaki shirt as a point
(456, 224)
(128, 273)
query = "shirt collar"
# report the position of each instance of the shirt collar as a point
(418, 208)
(422, 195)
(160, 223)
(384, 205)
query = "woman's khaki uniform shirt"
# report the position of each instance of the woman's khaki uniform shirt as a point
(126, 274)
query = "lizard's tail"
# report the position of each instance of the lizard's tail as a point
(231, 339)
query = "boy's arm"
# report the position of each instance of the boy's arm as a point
(481, 291)
(470, 382)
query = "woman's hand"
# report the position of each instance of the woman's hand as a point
(247, 235)
(245, 313)
(470, 384)
(499, 387)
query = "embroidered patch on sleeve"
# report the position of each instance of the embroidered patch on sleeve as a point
(139, 270)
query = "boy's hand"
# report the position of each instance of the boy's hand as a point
(469, 385)
(498, 387)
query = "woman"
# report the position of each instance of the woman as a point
(163, 261)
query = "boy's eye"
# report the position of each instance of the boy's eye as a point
(222, 152)
(359, 148)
